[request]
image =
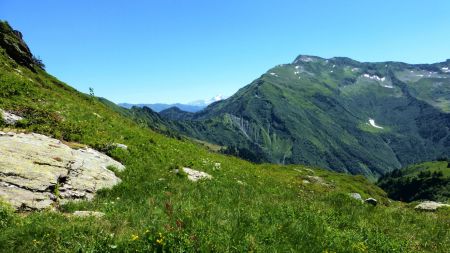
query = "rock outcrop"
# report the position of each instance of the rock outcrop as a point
(14, 45)
(36, 171)
(9, 118)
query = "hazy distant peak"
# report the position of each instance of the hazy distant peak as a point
(206, 102)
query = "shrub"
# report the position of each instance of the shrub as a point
(38, 62)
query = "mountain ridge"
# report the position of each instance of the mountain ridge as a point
(332, 102)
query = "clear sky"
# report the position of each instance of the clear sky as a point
(180, 51)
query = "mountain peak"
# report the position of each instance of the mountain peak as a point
(307, 58)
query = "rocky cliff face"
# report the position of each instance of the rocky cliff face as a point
(16, 48)
(37, 171)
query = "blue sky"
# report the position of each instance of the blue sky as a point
(180, 51)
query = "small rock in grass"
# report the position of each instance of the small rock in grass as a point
(317, 180)
(88, 214)
(371, 201)
(356, 196)
(195, 175)
(121, 146)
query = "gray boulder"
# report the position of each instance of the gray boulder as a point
(37, 171)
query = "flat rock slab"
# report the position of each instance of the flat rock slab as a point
(36, 171)
(430, 206)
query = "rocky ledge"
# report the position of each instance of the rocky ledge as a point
(37, 171)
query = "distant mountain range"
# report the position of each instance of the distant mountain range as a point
(338, 113)
(193, 106)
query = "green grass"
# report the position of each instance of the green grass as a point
(434, 166)
(245, 207)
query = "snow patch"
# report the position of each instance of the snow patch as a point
(387, 86)
(445, 70)
(375, 77)
(273, 74)
(372, 123)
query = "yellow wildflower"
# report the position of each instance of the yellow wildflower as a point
(134, 237)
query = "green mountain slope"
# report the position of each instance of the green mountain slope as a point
(245, 207)
(362, 118)
(425, 181)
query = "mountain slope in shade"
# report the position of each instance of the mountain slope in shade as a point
(338, 113)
